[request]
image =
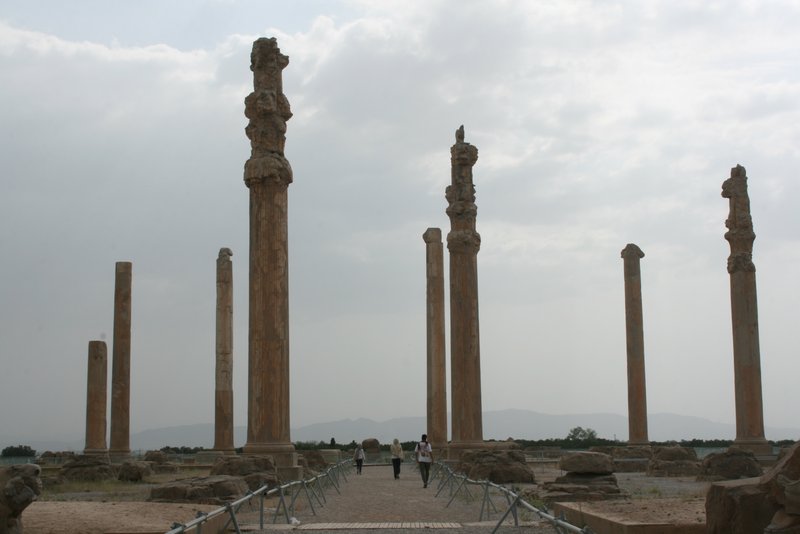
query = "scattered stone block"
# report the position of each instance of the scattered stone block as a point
(731, 464)
(498, 466)
(132, 471)
(768, 504)
(596, 463)
(217, 490)
(19, 487)
(88, 468)
(256, 471)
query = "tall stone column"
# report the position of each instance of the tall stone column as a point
(223, 391)
(463, 242)
(437, 379)
(268, 174)
(744, 316)
(96, 398)
(120, 446)
(634, 337)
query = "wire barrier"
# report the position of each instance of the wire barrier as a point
(458, 484)
(313, 491)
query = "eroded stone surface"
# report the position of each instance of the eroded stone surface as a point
(255, 470)
(86, 467)
(217, 489)
(587, 462)
(756, 505)
(731, 464)
(463, 242)
(267, 174)
(19, 487)
(498, 466)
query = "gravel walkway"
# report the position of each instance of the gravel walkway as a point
(375, 502)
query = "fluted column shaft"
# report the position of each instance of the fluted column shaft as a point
(437, 378)
(121, 362)
(634, 337)
(463, 242)
(268, 175)
(744, 315)
(223, 390)
(96, 398)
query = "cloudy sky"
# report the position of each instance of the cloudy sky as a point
(597, 123)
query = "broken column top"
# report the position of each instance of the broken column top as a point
(740, 232)
(432, 235)
(225, 254)
(632, 251)
(460, 193)
(268, 110)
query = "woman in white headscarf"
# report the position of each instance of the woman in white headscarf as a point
(397, 456)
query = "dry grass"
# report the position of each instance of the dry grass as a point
(111, 490)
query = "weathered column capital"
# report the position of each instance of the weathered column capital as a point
(268, 110)
(631, 251)
(432, 235)
(463, 241)
(460, 194)
(740, 233)
(224, 255)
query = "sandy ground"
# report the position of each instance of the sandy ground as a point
(92, 517)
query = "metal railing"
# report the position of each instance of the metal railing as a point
(459, 484)
(313, 490)
(288, 494)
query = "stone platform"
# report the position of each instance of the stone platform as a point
(654, 516)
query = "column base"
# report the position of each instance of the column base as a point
(283, 453)
(117, 456)
(758, 446)
(95, 452)
(455, 449)
(637, 443)
(210, 456)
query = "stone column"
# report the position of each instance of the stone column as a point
(223, 391)
(634, 338)
(437, 379)
(96, 398)
(744, 316)
(463, 242)
(268, 174)
(120, 446)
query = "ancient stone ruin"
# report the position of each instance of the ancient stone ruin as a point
(120, 446)
(731, 464)
(634, 337)
(589, 477)
(435, 321)
(744, 316)
(498, 466)
(267, 174)
(223, 390)
(19, 487)
(768, 504)
(673, 461)
(463, 242)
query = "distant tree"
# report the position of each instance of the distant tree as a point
(333, 443)
(17, 451)
(581, 434)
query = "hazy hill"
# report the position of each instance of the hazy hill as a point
(519, 424)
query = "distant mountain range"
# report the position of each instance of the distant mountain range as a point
(500, 425)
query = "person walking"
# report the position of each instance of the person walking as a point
(359, 456)
(397, 456)
(424, 454)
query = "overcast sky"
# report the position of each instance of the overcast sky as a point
(598, 124)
